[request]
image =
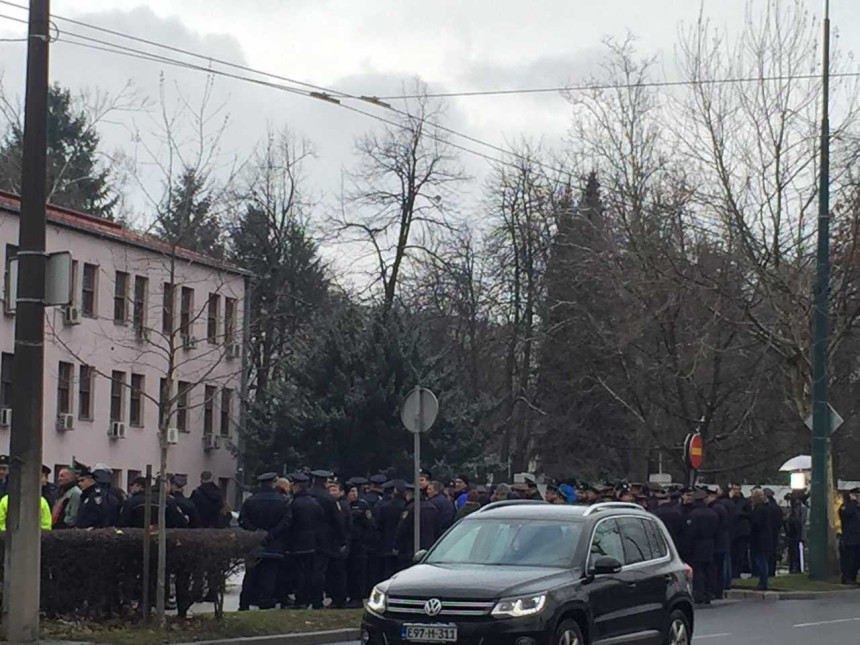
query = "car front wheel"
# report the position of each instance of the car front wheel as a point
(568, 633)
(679, 629)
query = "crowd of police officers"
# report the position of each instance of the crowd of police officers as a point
(327, 538)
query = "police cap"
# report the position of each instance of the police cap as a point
(356, 481)
(379, 479)
(4, 460)
(425, 473)
(267, 477)
(179, 480)
(322, 474)
(45, 470)
(299, 478)
(700, 494)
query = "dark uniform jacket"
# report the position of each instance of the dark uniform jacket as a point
(743, 525)
(372, 498)
(850, 516)
(363, 527)
(776, 520)
(208, 501)
(133, 513)
(732, 515)
(387, 515)
(308, 517)
(95, 509)
(331, 534)
(445, 511)
(188, 509)
(761, 534)
(723, 539)
(701, 530)
(670, 515)
(267, 510)
(346, 523)
(429, 529)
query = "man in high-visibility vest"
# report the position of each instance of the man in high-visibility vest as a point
(45, 519)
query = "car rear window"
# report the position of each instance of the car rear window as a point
(659, 549)
(606, 542)
(637, 548)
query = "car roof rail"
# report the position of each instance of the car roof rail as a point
(607, 506)
(510, 502)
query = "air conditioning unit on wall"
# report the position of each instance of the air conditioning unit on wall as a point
(116, 430)
(211, 442)
(71, 315)
(172, 436)
(65, 422)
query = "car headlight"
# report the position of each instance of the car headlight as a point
(376, 602)
(520, 607)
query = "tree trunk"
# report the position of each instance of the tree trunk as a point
(161, 587)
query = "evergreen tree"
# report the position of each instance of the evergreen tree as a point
(75, 178)
(186, 218)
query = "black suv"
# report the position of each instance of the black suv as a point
(531, 573)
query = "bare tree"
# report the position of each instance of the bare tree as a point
(400, 196)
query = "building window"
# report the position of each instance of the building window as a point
(163, 400)
(88, 290)
(64, 389)
(212, 318)
(167, 309)
(226, 400)
(85, 393)
(209, 410)
(135, 408)
(186, 308)
(132, 475)
(141, 285)
(182, 406)
(117, 385)
(120, 297)
(229, 319)
(11, 252)
(6, 379)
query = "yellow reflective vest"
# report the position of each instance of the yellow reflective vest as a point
(44, 513)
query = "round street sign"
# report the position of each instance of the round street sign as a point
(694, 448)
(419, 410)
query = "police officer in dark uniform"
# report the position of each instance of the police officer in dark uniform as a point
(177, 484)
(669, 512)
(702, 524)
(336, 578)
(331, 534)
(133, 512)
(361, 536)
(308, 518)
(428, 530)
(266, 511)
(387, 515)
(94, 510)
(373, 493)
(113, 497)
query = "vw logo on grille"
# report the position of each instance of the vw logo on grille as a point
(432, 607)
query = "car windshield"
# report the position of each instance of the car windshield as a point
(513, 542)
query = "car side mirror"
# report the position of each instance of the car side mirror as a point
(419, 556)
(606, 565)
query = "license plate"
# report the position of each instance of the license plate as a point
(429, 633)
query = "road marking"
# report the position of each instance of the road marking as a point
(828, 622)
(695, 638)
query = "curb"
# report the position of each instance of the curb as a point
(307, 638)
(744, 594)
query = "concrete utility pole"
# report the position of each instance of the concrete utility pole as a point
(819, 497)
(23, 539)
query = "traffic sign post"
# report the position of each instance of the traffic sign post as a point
(418, 414)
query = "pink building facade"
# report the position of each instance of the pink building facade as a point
(136, 304)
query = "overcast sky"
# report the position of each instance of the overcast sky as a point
(372, 47)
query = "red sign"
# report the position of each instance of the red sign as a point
(694, 448)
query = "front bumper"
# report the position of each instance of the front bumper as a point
(386, 629)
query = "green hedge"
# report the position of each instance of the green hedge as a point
(95, 573)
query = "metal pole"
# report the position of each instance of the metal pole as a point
(819, 498)
(23, 543)
(417, 450)
(147, 543)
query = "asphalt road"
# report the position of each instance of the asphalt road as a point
(783, 622)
